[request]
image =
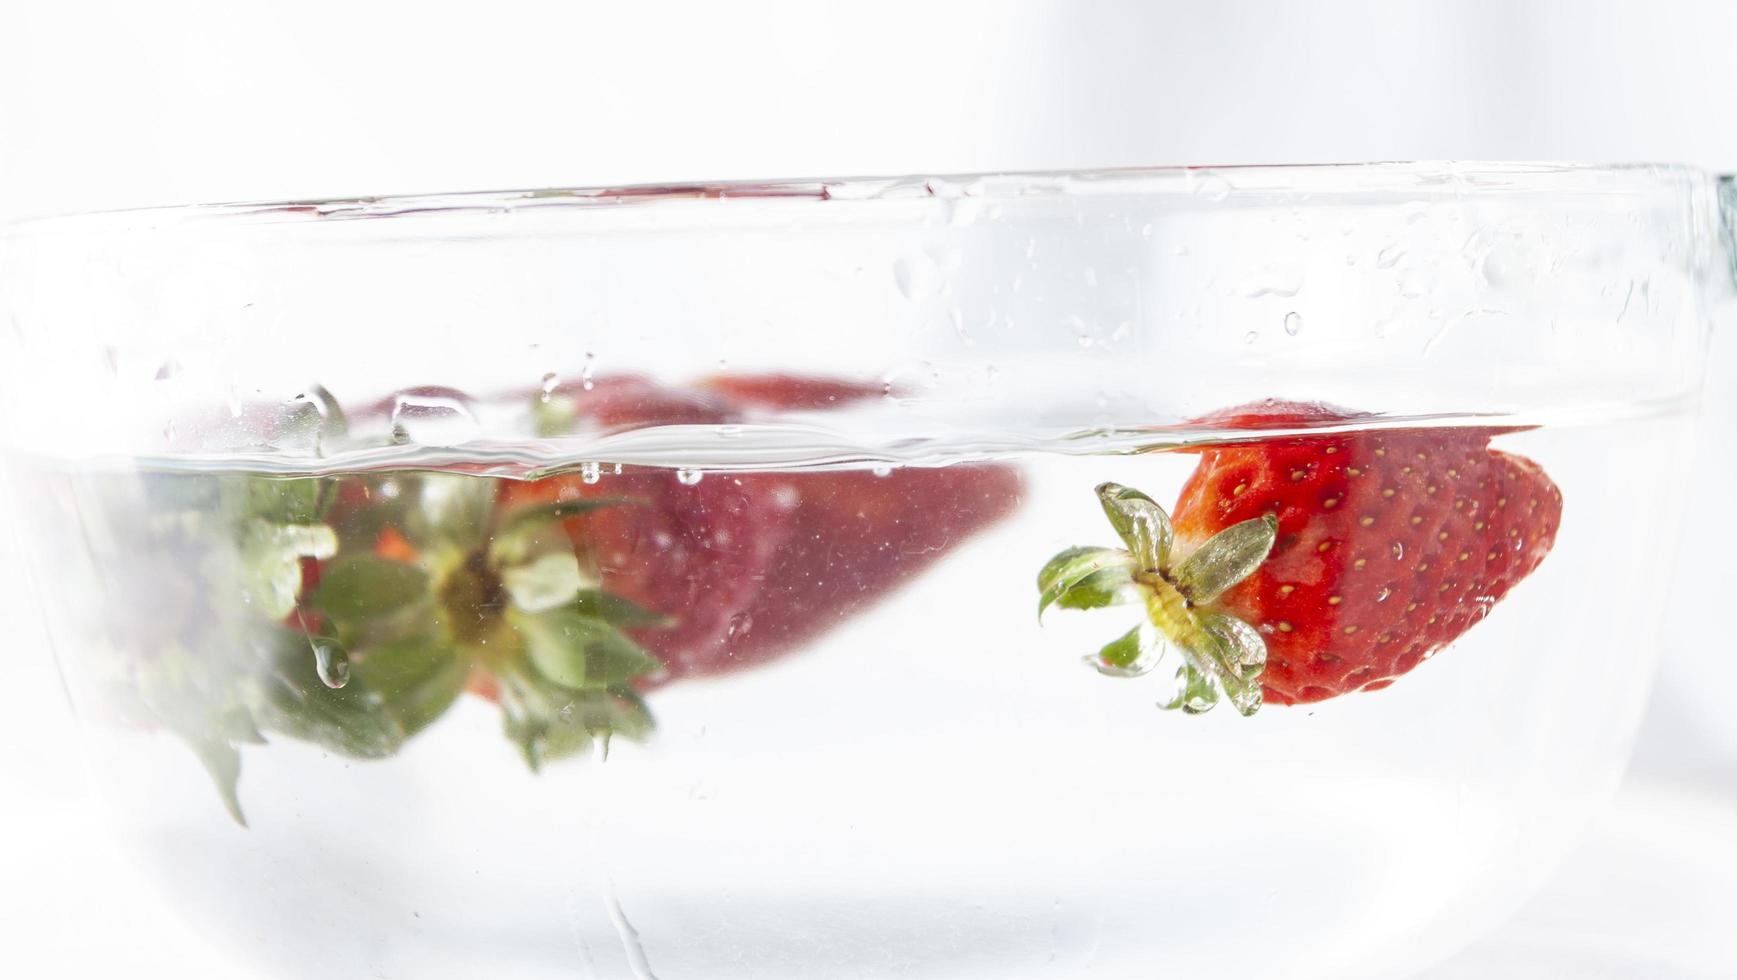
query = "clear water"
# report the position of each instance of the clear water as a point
(917, 781)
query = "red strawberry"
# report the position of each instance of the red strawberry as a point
(1354, 556)
(854, 535)
(1390, 543)
(697, 553)
(751, 565)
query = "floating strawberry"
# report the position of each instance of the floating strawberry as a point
(1385, 546)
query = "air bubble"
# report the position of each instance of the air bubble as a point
(590, 472)
(687, 476)
(547, 387)
(740, 624)
(585, 372)
(1293, 323)
(883, 470)
(1250, 337)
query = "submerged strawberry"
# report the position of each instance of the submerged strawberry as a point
(352, 611)
(749, 565)
(852, 536)
(1380, 547)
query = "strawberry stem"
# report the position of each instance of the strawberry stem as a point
(1221, 654)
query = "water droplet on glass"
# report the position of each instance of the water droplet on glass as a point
(332, 664)
(1389, 257)
(586, 371)
(168, 369)
(1250, 337)
(550, 380)
(882, 470)
(433, 418)
(1293, 323)
(688, 476)
(617, 469)
(1278, 279)
(566, 713)
(590, 472)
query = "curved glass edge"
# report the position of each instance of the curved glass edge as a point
(1212, 182)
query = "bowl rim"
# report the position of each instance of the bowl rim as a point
(1211, 183)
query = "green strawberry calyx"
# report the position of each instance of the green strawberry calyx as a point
(284, 616)
(1221, 655)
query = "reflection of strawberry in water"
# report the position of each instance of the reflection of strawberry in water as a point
(750, 565)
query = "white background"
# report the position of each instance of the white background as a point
(109, 103)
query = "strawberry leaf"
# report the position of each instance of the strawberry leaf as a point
(222, 761)
(1243, 652)
(1122, 652)
(618, 612)
(298, 500)
(449, 512)
(417, 680)
(1132, 654)
(547, 721)
(1195, 693)
(368, 587)
(577, 651)
(1111, 586)
(1139, 522)
(1225, 559)
(1072, 567)
(393, 692)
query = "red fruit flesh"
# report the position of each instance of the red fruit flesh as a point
(751, 565)
(854, 536)
(1390, 543)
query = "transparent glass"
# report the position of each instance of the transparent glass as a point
(633, 582)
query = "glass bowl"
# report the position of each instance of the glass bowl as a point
(645, 581)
